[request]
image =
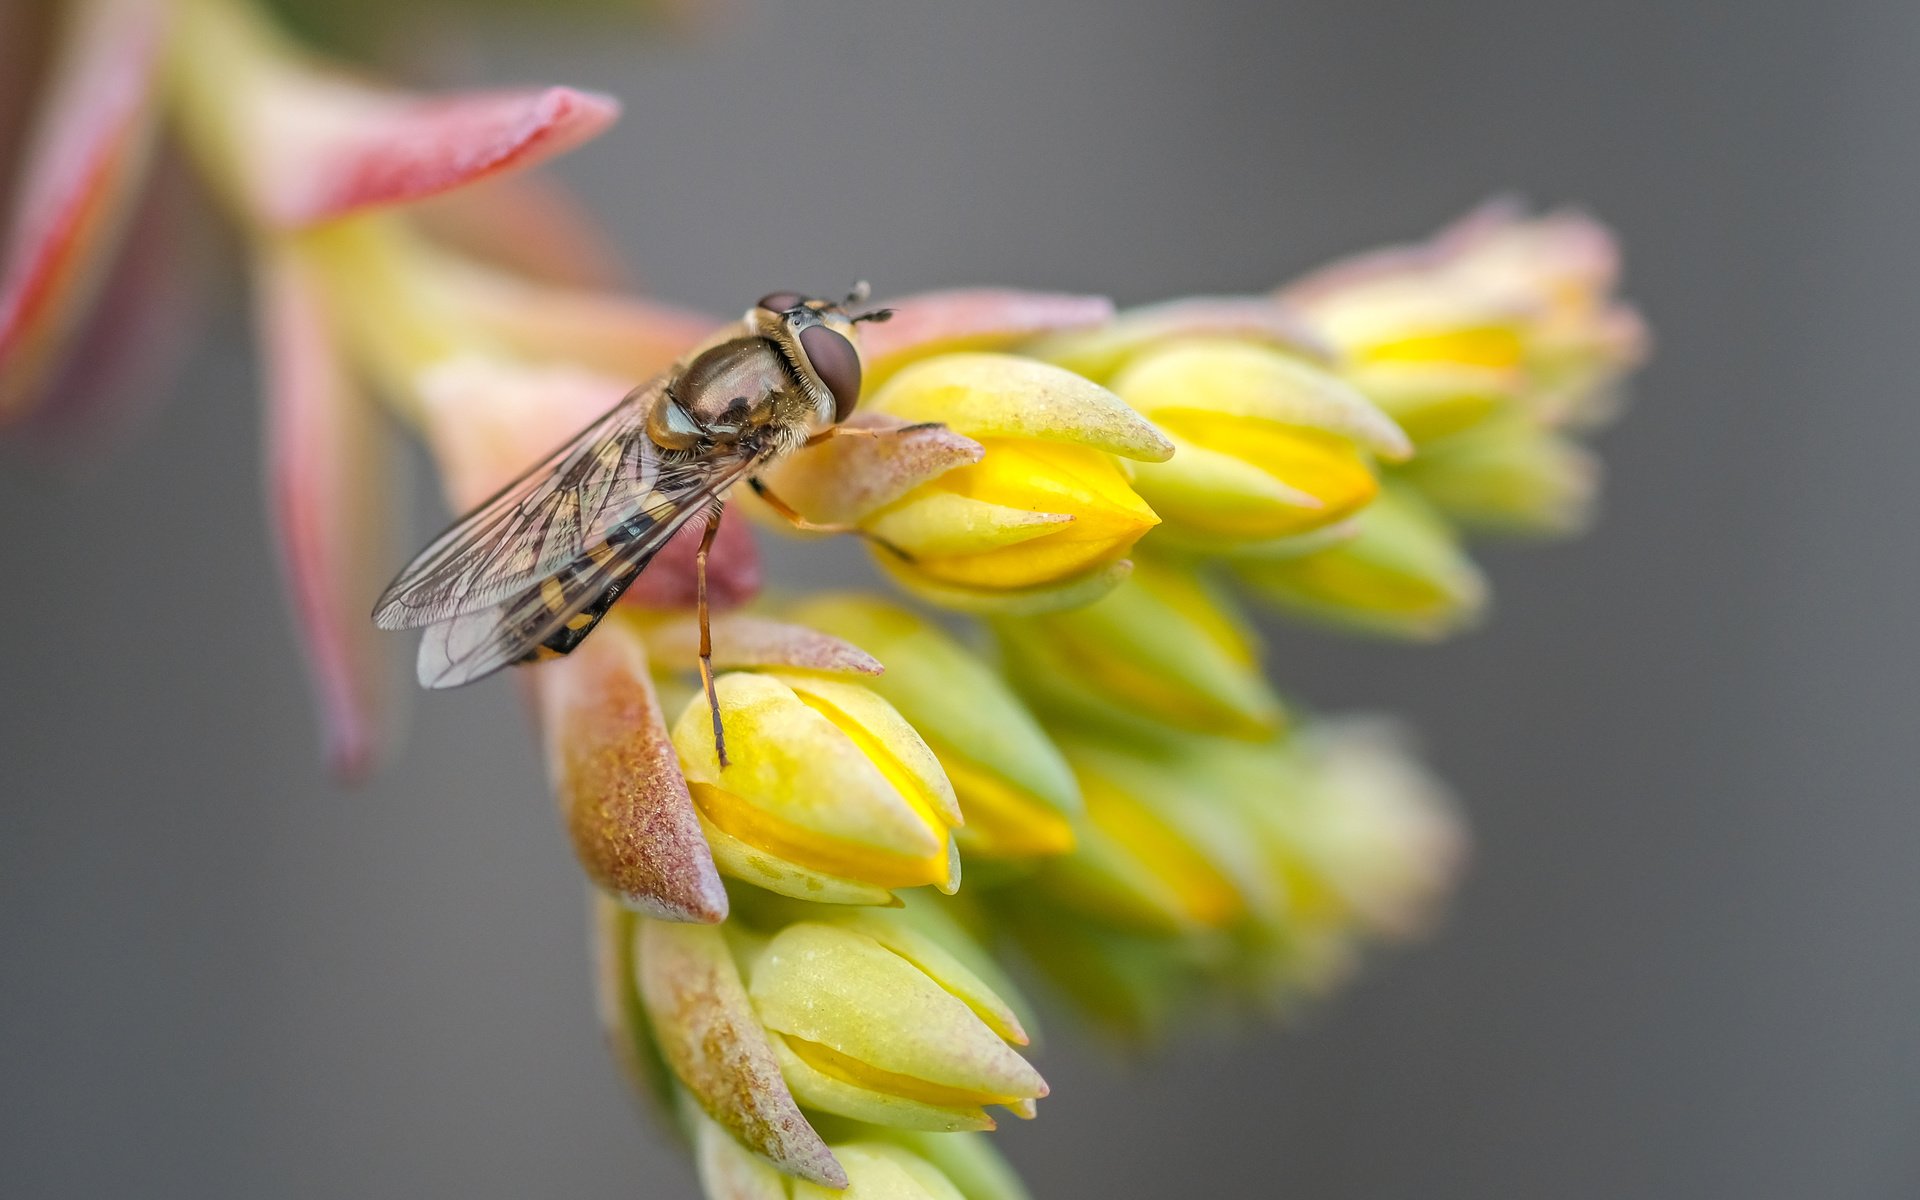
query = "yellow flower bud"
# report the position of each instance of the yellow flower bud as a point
(862, 1030)
(1047, 515)
(967, 1160)
(1267, 445)
(1163, 646)
(881, 1171)
(682, 985)
(1157, 856)
(880, 1165)
(830, 794)
(1500, 312)
(1402, 574)
(1509, 476)
(1017, 793)
(1099, 352)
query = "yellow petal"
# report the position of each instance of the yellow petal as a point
(936, 523)
(1240, 479)
(1404, 574)
(880, 1171)
(1240, 379)
(828, 1089)
(1163, 646)
(1107, 517)
(1005, 396)
(1433, 399)
(810, 785)
(857, 1010)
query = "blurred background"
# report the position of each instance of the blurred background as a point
(1683, 963)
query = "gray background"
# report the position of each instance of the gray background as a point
(1683, 964)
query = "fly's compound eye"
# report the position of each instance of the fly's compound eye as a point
(837, 364)
(781, 302)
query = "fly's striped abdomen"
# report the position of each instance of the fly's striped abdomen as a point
(561, 592)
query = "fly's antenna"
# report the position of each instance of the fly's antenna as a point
(858, 295)
(877, 316)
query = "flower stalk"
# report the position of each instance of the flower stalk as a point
(1073, 500)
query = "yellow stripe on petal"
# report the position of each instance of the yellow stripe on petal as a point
(1206, 896)
(832, 1063)
(769, 834)
(1478, 345)
(1003, 822)
(935, 523)
(1108, 517)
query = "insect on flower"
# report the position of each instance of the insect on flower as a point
(527, 575)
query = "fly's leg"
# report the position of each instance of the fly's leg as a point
(843, 431)
(793, 518)
(706, 631)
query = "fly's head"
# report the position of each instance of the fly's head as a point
(792, 369)
(820, 338)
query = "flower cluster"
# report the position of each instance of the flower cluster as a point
(789, 959)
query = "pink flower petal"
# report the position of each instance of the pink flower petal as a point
(86, 156)
(128, 350)
(488, 420)
(619, 785)
(530, 225)
(621, 336)
(971, 319)
(338, 148)
(327, 482)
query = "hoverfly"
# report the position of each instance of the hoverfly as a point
(527, 575)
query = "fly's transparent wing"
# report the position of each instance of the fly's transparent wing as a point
(567, 505)
(561, 609)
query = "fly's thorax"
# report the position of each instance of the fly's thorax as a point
(730, 391)
(789, 368)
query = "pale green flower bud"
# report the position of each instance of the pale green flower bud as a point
(1373, 825)
(1156, 856)
(1404, 574)
(1164, 647)
(968, 1160)
(1509, 476)
(883, 1171)
(709, 1035)
(862, 1031)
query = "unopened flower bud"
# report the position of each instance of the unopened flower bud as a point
(863, 1031)
(1372, 838)
(883, 1171)
(1017, 793)
(1157, 857)
(1268, 445)
(1510, 476)
(1047, 515)
(830, 795)
(1402, 574)
(1163, 646)
(1501, 311)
